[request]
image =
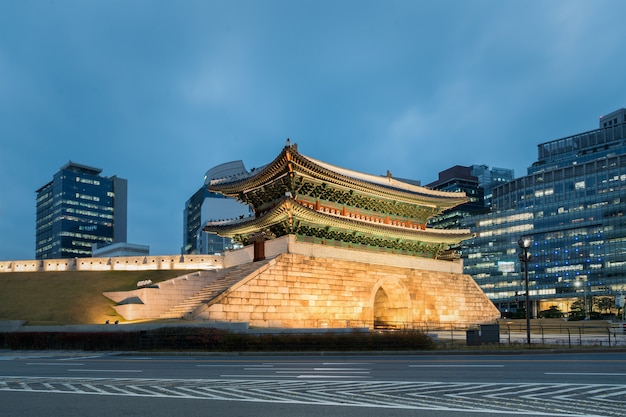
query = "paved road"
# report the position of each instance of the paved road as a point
(363, 385)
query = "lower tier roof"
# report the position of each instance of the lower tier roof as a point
(291, 217)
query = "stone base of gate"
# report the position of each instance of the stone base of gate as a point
(316, 286)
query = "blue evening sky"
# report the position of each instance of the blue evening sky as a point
(158, 92)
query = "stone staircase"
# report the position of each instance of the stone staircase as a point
(222, 281)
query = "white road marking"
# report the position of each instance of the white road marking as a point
(55, 364)
(586, 373)
(456, 366)
(106, 370)
(255, 376)
(316, 370)
(235, 366)
(313, 376)
(549, 399)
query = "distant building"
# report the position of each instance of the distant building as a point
(476, 182)
(204, 206)
(572, 205)
(78, 209)
(489, 178)
(121, 249)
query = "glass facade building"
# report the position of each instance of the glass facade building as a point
(477, 182)
(571, 205)
(78, 209)
(204, 206)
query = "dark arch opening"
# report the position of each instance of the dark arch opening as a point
(390, 309)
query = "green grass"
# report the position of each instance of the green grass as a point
(73, 297)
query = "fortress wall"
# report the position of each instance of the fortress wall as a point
(305, 291)
(20, 266)
(151, 302)
(273, 248)
(125, 263)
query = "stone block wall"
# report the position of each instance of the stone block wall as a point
(124, 263)
(152, 302)
(295, 290)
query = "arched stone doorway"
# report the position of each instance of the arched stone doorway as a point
(392, 305)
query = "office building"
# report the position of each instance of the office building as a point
(121, 249)
(489, 178)
(571, 205)
(477, 182)
(204, 205)
(78, 209)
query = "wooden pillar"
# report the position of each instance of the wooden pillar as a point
(258, 239)
(259, 250)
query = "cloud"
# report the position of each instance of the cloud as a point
(158, 94)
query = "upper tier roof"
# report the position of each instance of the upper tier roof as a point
(290, 161)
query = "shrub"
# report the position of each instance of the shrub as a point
(217, 340)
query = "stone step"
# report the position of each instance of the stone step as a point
(212, 289)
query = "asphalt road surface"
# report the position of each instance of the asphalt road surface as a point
(532, 384)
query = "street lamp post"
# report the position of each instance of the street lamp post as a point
(524, 257)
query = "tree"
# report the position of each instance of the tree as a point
(577, 310)
(551, 313)
(605, 304)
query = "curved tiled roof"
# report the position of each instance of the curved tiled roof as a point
(290, 210)
(290, 161)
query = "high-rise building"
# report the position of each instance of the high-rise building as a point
(457, 179)
(571, 204)
(204, 206)
(78, 209)
(476, 182)
(489, 178)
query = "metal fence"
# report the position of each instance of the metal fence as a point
(548, 333)
(543, 333)
(566, 334)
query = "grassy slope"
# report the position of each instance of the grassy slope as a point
(75, 297)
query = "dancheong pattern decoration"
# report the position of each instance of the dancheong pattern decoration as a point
(322, 203)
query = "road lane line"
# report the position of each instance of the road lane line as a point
(55, 364)
(235, 366)
(80, 358)
(106, 370)
(587, 373)
(255, 376)
(312, 376)
(456, 366)
(317, 371)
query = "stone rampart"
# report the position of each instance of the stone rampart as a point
(152, 301)
(126, 263)
(296, 290)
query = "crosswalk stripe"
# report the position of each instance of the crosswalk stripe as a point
(555, 399)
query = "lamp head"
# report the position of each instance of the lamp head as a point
(524, 242)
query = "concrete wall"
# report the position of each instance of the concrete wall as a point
(290, 244)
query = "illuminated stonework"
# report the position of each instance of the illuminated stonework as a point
(326, 247)
(311, 286)
(307, 285)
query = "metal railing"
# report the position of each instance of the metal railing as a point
(566, 334)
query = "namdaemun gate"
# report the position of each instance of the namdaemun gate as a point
(331, 247)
